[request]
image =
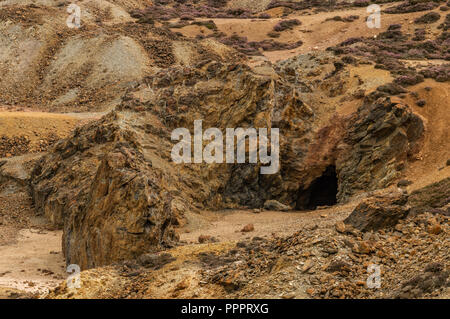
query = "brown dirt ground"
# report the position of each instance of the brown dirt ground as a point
(227, 225)
(34, 263)
(39, 127)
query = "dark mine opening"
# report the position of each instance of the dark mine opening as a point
(321, 192)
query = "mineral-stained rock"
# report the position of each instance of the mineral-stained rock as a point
(379, 212)
(341, 227)
(124, 215)
(381, 135)
(404, 183)
(206, 239)
(115, 190)
(435, 229)
(337, 266)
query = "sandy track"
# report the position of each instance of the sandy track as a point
(227, 225)
(34, 263)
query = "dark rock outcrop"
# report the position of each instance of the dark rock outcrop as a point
(379, 212)
(115, 190)
(380, 137)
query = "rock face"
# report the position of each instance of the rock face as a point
(125, 213)
(115, 190)
(382, 136)
(379, 212)
(107, 200)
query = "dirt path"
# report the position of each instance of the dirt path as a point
(227, 225)
(34, 263)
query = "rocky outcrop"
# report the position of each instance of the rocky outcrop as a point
(104, 196)
(381, 138)
(379, 212)
(73, 70)
(275, 205)
(126, 213)
(117, 193)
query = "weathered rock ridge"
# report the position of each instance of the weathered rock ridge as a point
(114, 189)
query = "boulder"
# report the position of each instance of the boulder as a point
(276, 205)
(379, 212)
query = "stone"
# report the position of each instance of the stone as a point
(337, 266)
(288, 296)
(248, 228)
(362, 247)
(379, 212)
(308, 265)
(404, 183)
(433, 197)
(340, 227)
(205, 239)
(310, 291)
(113, 188)
(435, 229)
(275, 205)
(155, 261)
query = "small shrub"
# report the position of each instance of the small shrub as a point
(264, 16)
(361, 3)
(421, 103)
(273, 34)
(286, 25)
(430, 17)
(409, 79)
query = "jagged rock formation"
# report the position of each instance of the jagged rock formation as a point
(106, 197)
(116, 190)
(381, 136)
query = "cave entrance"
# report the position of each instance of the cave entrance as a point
(321, 192)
